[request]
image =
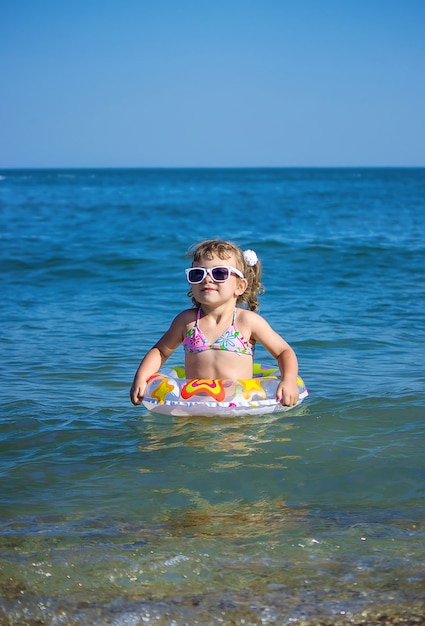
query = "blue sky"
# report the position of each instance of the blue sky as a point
(220, 83)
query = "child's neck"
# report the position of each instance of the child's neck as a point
(218, 311)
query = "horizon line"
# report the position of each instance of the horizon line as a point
(203, 167)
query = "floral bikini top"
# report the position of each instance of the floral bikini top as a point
(231, 340)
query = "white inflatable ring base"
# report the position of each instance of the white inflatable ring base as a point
(169, 393)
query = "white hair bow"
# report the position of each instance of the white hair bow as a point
(250, 257)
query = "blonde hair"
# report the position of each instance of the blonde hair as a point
(224, 250)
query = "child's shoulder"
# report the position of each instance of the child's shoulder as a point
(186, 316)
(246, 314)
(255, 321)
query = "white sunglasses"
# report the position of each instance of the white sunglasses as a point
(219, 274)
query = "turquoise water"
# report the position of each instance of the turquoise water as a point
(109, 515)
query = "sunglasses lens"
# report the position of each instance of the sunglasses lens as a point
(220, 274)
(196, 275)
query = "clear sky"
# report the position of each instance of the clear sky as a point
(146, 83)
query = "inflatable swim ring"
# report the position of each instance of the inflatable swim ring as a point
(168, 392)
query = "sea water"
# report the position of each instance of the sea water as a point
(111, 515)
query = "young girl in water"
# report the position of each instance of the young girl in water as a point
(217, 336)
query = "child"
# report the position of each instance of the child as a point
(218, 338)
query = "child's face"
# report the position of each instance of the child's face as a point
(210, 291)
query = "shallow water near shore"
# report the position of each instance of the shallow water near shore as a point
(111, 515)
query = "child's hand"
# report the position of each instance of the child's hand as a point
(287, 393)
(136, 392)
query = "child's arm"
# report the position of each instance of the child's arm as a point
(151, 363)
(287, 392)
(157, 356)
